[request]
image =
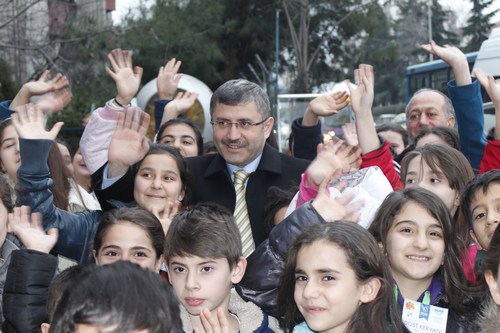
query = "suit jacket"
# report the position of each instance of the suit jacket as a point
(213, 183)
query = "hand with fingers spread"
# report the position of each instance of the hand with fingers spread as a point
(492, 87)
(212, 324)
(30, 124)
(166, 216)
(182, 102)
(454, 57)
(54, 101)
(350, 134)
(168, 79)
(343, 207)
(27, 227)
(324, 106)
(326, 163)
(128, 144)
(39, 87)
(127, 78)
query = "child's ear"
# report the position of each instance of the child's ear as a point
(370, 290)
(94, 255)
(456, 202)
(473, 235)
(158, 263)
(45, 327)
(493, 285)
(239, 270)
(164, 261)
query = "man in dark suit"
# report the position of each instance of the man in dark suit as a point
(242, 122)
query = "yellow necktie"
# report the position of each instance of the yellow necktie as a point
(241, 213)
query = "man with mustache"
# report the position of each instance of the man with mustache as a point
(241, 121)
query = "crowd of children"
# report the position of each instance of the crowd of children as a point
(379, 235)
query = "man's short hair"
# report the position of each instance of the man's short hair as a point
(450, 111)
(240, 92)
(205, 230)
(120, 297)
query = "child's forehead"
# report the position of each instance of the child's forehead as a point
(484, 194)
(196, 260)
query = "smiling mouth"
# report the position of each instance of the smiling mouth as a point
(314, 309)
(156, 197)
(418, 258)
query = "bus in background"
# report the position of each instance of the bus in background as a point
(436, 74)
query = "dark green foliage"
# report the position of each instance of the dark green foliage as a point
(478, 25)
(8, 88)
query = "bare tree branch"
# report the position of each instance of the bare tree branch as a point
(22, 11)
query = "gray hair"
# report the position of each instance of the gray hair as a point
(450, 111)
(238, 92)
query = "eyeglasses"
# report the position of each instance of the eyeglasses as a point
(242, 124)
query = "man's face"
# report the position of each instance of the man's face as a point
(240, 146)
(427, 109)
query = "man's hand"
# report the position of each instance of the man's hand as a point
(28, 228)
(126, 77)
(168, 79)
(454, 57)
(128, 144)
(30, 124)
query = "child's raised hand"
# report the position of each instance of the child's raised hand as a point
(28, 228)
(168, 79)
(362, 95)
(165, 217)
(128, 144)
(212, 324)
(325, 163)
(329, 104)
(55, 101)
(127, 78)
(343, 207)
(44, 85)
(30, 124)
(182, 102)
(489, 83)
(350, 134)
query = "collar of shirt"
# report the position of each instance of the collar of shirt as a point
(250, 167)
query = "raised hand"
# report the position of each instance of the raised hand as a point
(362, 95)
(350, 134)
(343, 207)
(454, 57)
(326, 163)
(166, 216)
(168, 79)
(324, 106)
(492, 87)
(179, 105)
(212, 324)
(128, 144)
(30, 124)
(127, 78)
(39, 87)
(28, 228)
(55, 101)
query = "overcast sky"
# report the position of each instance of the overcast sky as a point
(462, 7)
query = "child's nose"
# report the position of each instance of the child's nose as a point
(420, 241)
(192, 281)
(310, 290)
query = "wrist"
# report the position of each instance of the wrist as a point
(165, 95)
(121, 102)
(310, 118)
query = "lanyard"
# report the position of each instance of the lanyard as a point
(426, 300)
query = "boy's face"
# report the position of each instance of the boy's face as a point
(203, 283)
(485, 208)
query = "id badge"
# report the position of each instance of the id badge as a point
(420, 318)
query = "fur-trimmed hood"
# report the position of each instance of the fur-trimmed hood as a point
(250, 316)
